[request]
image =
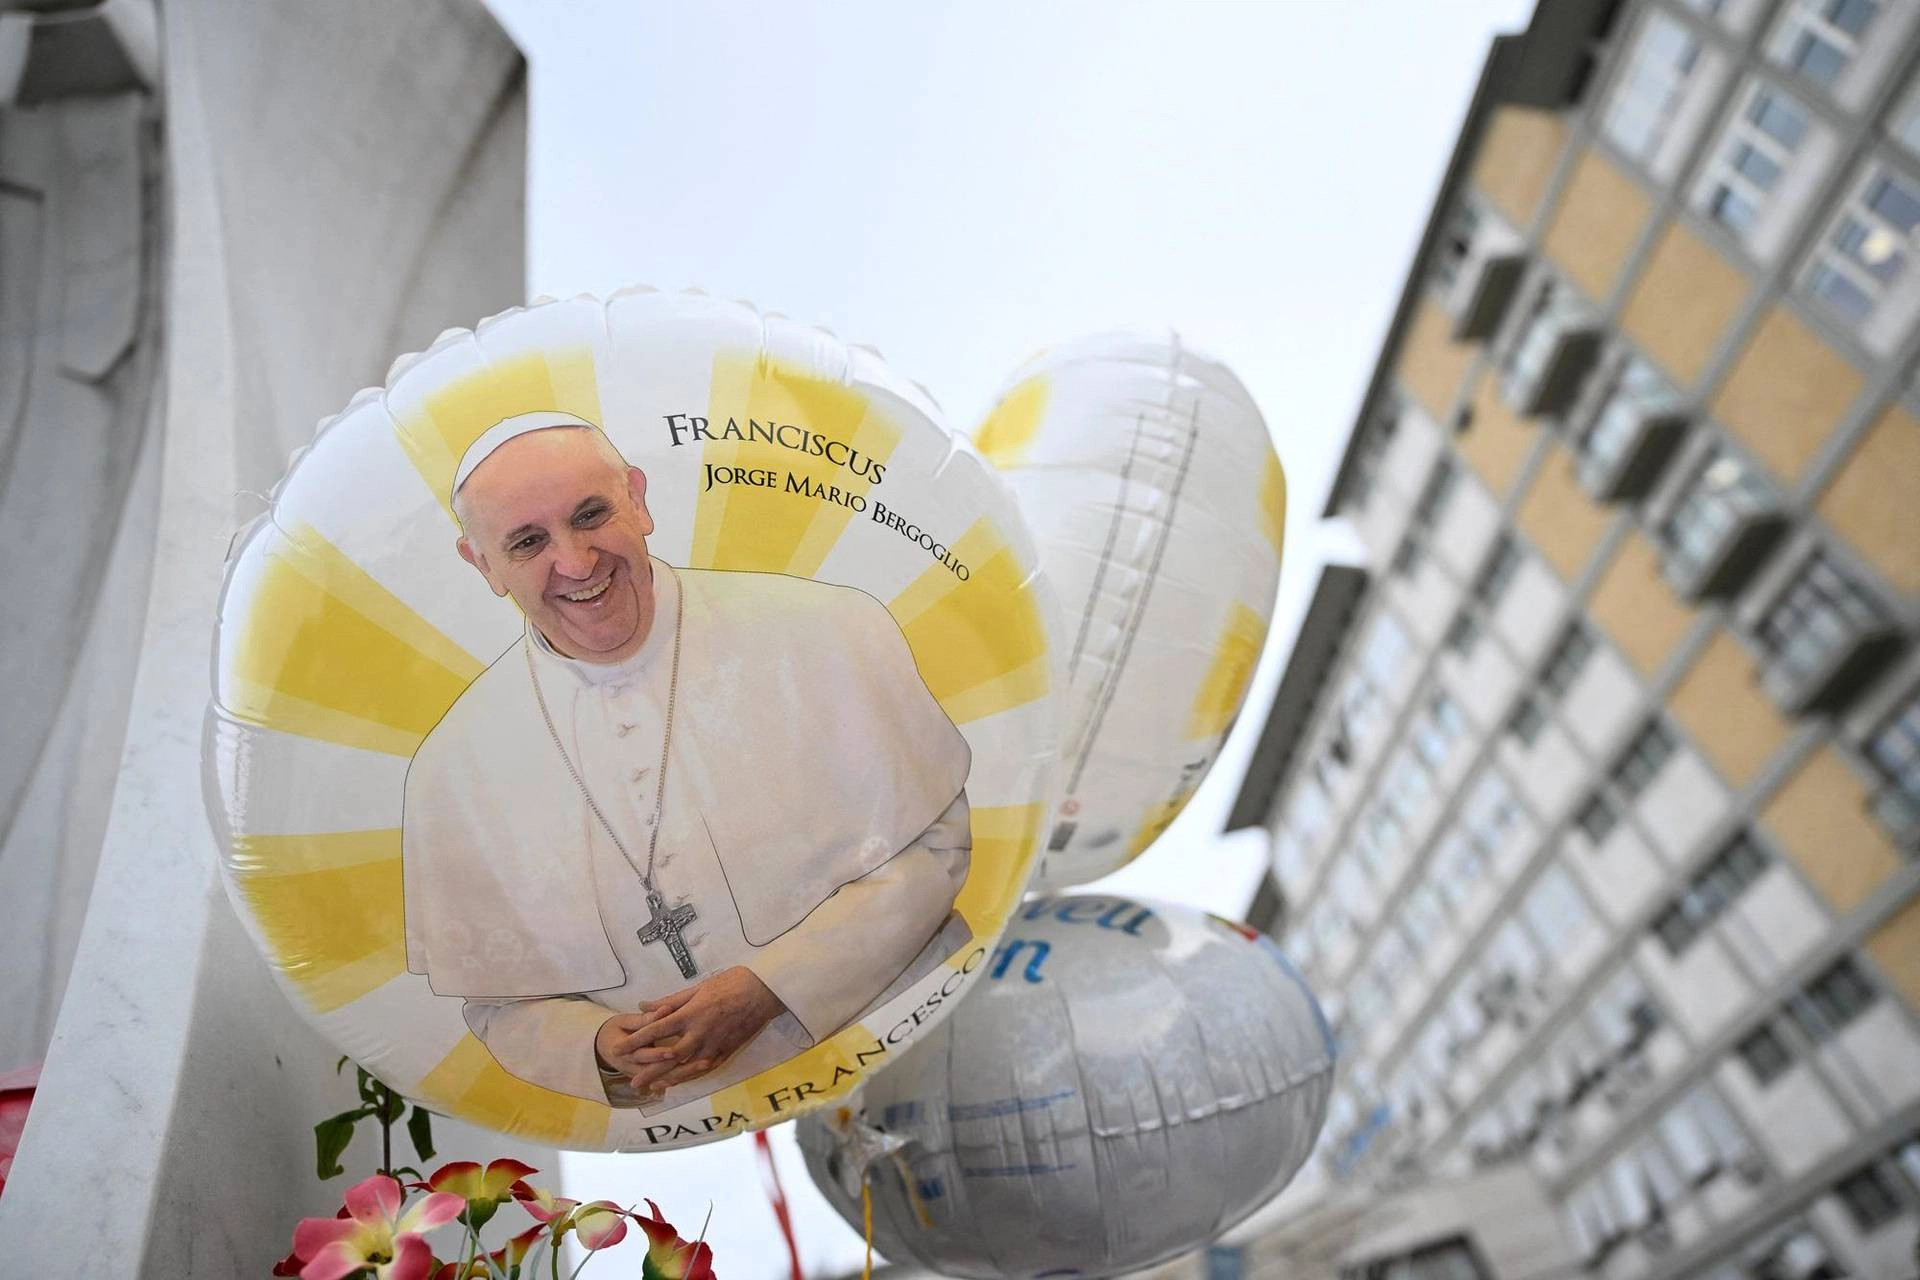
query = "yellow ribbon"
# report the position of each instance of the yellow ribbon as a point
(866, 1214)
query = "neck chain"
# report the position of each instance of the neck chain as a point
(660, 788)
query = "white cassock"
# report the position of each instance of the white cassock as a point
(815, 817)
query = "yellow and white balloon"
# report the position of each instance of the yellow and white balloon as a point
(345, 635)
(1146, 474)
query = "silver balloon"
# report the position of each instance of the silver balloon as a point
(1128, 1081)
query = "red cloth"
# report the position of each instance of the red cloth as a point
(777, 1194)
(16, 1095)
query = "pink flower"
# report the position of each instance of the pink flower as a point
(600, 1224)
(484, 1190)
(668, 1256)
(374, 1233)
(543, 1204)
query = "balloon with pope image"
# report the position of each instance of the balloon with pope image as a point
(634, 723)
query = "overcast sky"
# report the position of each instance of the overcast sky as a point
(959, 184)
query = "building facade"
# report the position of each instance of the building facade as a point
(1595, 789)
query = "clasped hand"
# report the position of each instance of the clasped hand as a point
(676, 1038)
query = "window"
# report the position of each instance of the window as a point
(1822, 637)
(1375, 438)
(1551, 354)
(1795, 1254)
(1456, 244)
(1766, 1055)
(1649, 750)
(1496, 574)
(1464, 631)
(1819, 38)
(1422, 915)
(1391, 956)
(1489, 813)
(1427, 509)
(1831, 1001)
(1385, 652)
(1701, 1125)
(1631, 437)
(1556, 911)
(1651, 88)
(1437, 731)
(1526, 720)
(1903, 126)
(1458, 867)
(1565, 663)
(1408, 785)
(1894, 752)
(1308, 810)
(1712, 891)
(1503, 562)
(1871, 1197)
(1863, 257)
(1725, 520)
(1906, 1157)
(1755, 147)
(1597, 817)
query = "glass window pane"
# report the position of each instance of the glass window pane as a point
(1651, 86)
(1779, 117)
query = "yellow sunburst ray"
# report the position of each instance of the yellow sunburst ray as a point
(1273, 502)
(447, 421)
(470, 1084)
(1236, 652)
(328, 906)
(776, 529)
(1014, 423)
(1003, 836)
(980, 644)
(327, 652)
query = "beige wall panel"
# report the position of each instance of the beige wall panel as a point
(1874, 501)
(1517, 156)
(1820, 817)
(1637, 608)
(1562, 521)
(1719, 701)
(1597, 224)
(1786, 392)
(1432, 365)
(1895, 947)
(1682, 302)
(1497, 441)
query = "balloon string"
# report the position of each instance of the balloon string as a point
(866, 1215)
(778, 1195)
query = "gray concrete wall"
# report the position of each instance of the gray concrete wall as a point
(340, 181)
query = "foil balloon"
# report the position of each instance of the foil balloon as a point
(1147, 476)
(628, 717)
(1130, 1081)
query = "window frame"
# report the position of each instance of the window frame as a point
(1723, 521)
(1823, 634)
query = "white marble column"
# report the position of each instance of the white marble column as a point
(339, 182)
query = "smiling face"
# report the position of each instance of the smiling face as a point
(557, 520)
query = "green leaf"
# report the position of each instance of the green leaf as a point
(420, 1129)
(393, 1106)
(340, 1064)
(369, 1087)
(330, 1140)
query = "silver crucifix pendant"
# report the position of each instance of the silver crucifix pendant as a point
(666, 925)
